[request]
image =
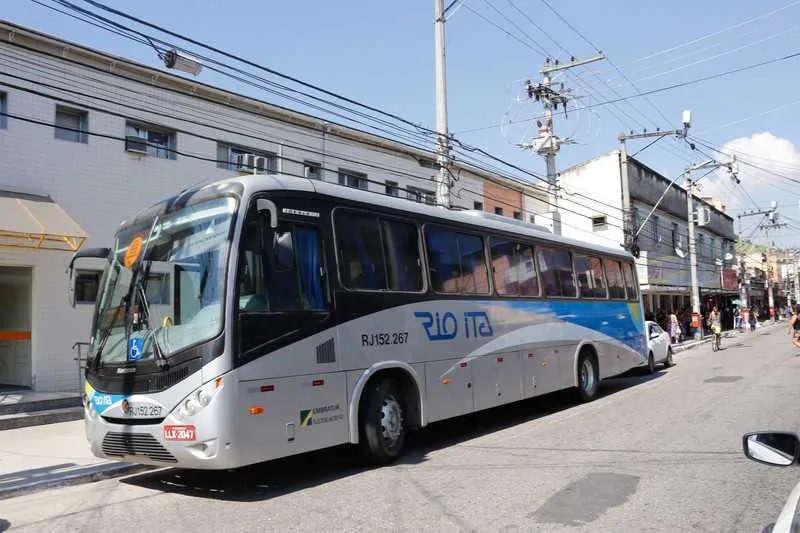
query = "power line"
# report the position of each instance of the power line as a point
(244, 61)
(523, 32)
(573, 28)
(663, 89)
(515, 37)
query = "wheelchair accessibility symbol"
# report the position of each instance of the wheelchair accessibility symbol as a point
(134, 349)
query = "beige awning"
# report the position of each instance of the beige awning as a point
(37, 222)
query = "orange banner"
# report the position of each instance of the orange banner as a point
(15, 335)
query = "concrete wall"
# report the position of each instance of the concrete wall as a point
(586, 188)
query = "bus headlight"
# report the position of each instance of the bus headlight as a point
(199, 399)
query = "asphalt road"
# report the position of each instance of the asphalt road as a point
(655, 453)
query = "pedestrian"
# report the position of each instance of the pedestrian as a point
(714, 322)
(674, 328)
(737, 318)
(794, 326)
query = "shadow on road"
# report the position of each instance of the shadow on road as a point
(284, 476)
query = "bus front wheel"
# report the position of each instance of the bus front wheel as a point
(381, 421)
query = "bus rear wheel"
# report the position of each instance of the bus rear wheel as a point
(381, 422)
(588, 377)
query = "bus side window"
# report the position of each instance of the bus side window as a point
(590, 276)
(361, 261)
(555, 267)
(630, 282)
(401, 246)
(616, 286)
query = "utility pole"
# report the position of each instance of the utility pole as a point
(547, 143)
(710, 164)
(442, 136)
(631, 235)
(743, 282)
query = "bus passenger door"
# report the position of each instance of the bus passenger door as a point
(283, 292)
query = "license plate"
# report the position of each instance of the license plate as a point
(145, 411)
(179, 433)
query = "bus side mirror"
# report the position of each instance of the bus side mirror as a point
(267, 207)
(97, 253)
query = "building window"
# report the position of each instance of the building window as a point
(150, 140)
(86, 285)
(498, 211)
(421, 195)
(532, 219)
(72, 124)
(3, 110)
(656, 229)
(478, 206)
(392, 189)
(517, 215)
(352, 179)
(701, 246)
(676, 243)
(599, 223)
(243, 159)
(312, 171)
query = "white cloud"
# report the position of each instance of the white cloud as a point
(773, 155)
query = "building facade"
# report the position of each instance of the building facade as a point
(87, 139)
(597, 189)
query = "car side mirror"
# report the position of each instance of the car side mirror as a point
(776, 448)
(97, 253)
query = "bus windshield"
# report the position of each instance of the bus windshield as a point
(165, 280)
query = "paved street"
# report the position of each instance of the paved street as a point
(658, 453)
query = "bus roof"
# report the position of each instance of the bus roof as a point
(252, 184)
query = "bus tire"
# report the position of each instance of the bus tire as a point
(588, 376)
(381, 422)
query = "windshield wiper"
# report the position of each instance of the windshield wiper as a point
(107, 332)
(158, 353)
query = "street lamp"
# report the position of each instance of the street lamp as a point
(180, 61)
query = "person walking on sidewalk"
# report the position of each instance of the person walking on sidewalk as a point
(674, 327)
(794, 326)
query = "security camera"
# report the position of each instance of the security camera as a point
(183, 62)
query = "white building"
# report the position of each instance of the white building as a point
(663, 265)
(129, 136)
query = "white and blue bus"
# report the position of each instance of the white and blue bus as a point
(264, 316)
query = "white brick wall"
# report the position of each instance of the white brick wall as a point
(99, 184)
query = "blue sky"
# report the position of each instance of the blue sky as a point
(382, 54)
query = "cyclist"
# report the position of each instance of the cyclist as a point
(715, 323)
(794, 326)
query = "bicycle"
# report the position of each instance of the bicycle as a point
(716, 342)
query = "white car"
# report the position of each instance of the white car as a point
(659, 347)
(777, 448)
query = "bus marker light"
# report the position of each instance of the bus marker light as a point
(463, 365)
(256, 410)
(447, 381)
(499, 359)
(218, 383)
(544, 364)
(267, 388)
(530, 356)
(318, 383)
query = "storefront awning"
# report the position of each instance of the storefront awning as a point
(36, 222)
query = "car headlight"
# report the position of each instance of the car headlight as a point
(199, 399)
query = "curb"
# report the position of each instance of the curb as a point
(88, 474)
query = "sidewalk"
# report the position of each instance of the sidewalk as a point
(37, 457)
